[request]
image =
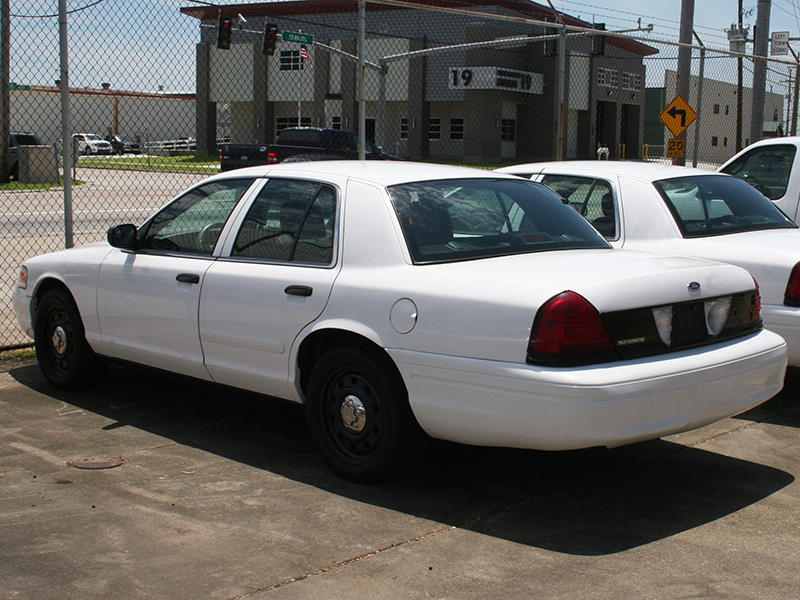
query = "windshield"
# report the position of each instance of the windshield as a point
(461, 219)
(93, 138)
(707, 205)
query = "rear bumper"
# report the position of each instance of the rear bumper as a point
(492, 403)
(785, 321)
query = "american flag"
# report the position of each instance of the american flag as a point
(305, 56)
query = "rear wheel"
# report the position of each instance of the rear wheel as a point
(64, 355)
(358, 412)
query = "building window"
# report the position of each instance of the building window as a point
(508, 130)
(725, 142)
(282, 123)
(714, 140)
(336, 122)
(434, 128)
(727, 109)
(716, 109)
(607, 77)
(291, 61)
(631, 82)
(456, 129)
(404, 128)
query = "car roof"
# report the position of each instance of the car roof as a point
(381, 172)
(647, 171)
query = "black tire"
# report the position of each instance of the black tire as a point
(64, 355)
(381, 437)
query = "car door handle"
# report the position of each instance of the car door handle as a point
(188, 278)
(299, 290)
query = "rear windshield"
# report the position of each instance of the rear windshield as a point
(462, 219)
(707, 205)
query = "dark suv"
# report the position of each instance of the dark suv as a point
(122, 144)
(20, 138)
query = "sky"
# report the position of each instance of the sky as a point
(711, 17)
(147, 45)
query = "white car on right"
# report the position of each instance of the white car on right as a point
(680, 210)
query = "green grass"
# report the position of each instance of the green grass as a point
(15, 354)
(179, 164)
(17, 186)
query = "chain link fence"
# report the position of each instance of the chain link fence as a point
(153, 92)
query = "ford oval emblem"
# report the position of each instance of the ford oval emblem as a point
(694, 286)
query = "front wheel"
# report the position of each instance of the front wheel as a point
(358, 413)
(64, 355)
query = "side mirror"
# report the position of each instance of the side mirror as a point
(123, 236)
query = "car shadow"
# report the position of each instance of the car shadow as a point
(784, 408)
(588, 502)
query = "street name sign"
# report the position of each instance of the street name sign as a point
(300, 38)
(677, 116)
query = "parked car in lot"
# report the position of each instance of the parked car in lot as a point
(680, 210)
(90, 143)
(399, 301)
(122, 144)
(17, 139)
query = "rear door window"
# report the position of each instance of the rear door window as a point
(767, 169)
(592, 198)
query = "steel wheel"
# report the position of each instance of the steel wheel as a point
(64, 355)
(358, 412)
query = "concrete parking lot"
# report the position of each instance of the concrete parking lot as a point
(222, 495)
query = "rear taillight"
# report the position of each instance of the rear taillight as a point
(755, 313)
(569, 325)
(272, 157)
(792, 295)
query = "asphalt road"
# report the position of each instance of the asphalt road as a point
(221, 495)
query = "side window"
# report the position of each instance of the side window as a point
(574, 190)
(592, 198)
(290, 221)
(193, 222)
(767, 169)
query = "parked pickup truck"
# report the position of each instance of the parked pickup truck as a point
(299, 143)
(771, 166)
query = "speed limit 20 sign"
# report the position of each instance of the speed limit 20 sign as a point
(676, 148)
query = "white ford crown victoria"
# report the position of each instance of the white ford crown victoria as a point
(680, 210)
(397, 300)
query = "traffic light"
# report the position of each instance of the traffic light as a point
(270, 39)
(599, 41)
(224, 33)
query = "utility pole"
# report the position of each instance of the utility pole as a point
(739, 89)
(684, 75)
(760, 70)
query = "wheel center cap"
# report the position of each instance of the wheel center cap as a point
(59, 340)
(354, 415)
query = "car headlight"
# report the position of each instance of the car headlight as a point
(22, 277)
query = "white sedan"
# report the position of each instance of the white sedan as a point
(400, 301)
(691, 212)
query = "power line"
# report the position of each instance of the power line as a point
(69, 12)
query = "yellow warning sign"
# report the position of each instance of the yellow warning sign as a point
(677, 116)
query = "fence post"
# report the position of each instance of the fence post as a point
(362, 67)
(699, 100)
(66, 130)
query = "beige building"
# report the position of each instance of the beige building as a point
(150, 116)
(716, 117)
